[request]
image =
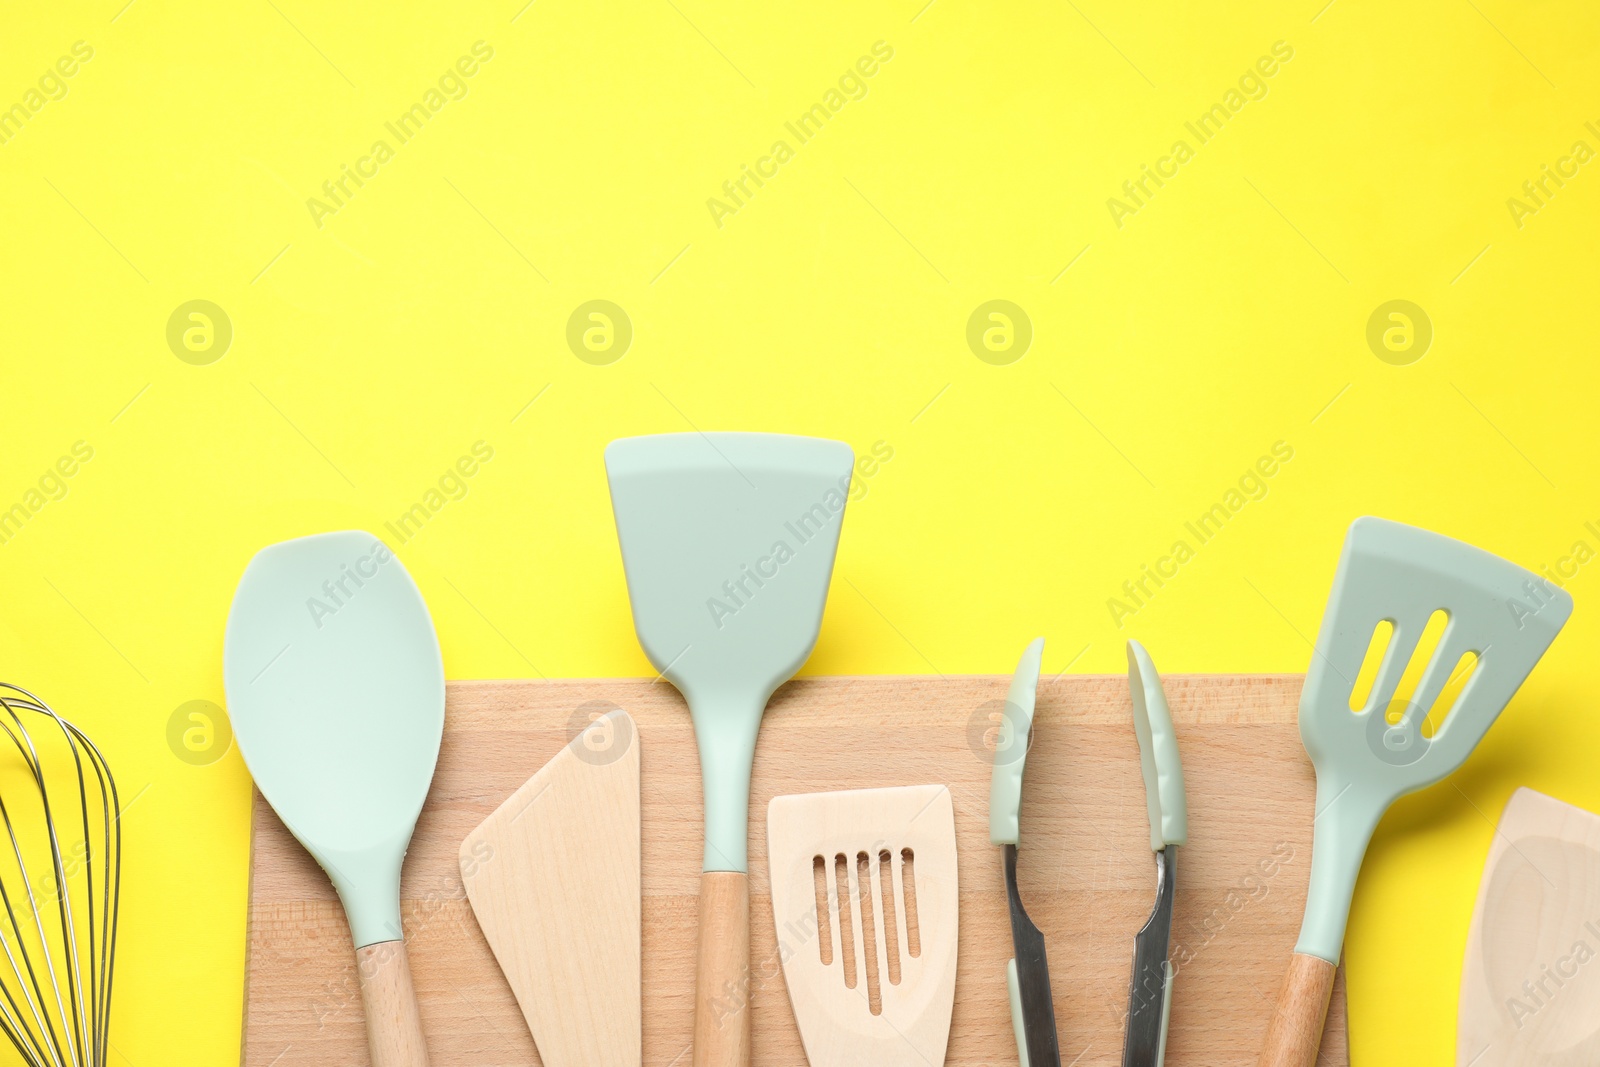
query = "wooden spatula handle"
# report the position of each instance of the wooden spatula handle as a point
(394, 1025)
(1295, 1033)
(722, 978)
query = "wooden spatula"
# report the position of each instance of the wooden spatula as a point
(553, 877)
(864, 897)
(1530, 985)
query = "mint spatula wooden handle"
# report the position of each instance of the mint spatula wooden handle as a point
(1372, 744)
(728, 542)
(722, 975)
(1295, 1034)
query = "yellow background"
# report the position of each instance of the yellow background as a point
(368, 354)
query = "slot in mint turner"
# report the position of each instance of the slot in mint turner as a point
(1367, 758)
(728, 542)
(336, 693)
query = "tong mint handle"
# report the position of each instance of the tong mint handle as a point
(1011, 749)
(1166, 1014)
(1167, 806)
(1014, 986)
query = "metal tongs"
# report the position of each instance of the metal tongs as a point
(1033, 1013)
(1150, 989)
(1028, 974)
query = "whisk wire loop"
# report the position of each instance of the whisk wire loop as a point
(56, 1009)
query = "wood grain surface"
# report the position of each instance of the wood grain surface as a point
(568, 842)
(871, 935)
(1294, 1036)
(1087, 875)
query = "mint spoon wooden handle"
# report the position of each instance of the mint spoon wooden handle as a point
(1295, 1034)
(394, 1023)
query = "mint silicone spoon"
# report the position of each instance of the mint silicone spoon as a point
(1369, 750)
(728, 542)
(336, 693)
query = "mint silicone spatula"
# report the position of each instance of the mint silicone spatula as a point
(336, 693)
(1369, 748)
(728, 542)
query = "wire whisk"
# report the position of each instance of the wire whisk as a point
(58, 930)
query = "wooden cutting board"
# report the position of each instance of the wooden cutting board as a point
(1087, 874)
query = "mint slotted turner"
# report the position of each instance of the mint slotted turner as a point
(728, 542)
(336, 693)
(1369, 757)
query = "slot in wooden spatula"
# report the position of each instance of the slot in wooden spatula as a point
(553, 877)
(864, 897)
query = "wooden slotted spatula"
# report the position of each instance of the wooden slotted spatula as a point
(1530, 984)
(864, 898)
(553, 877)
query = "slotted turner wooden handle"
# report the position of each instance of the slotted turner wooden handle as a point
(1295, 1033)
(722, 985)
